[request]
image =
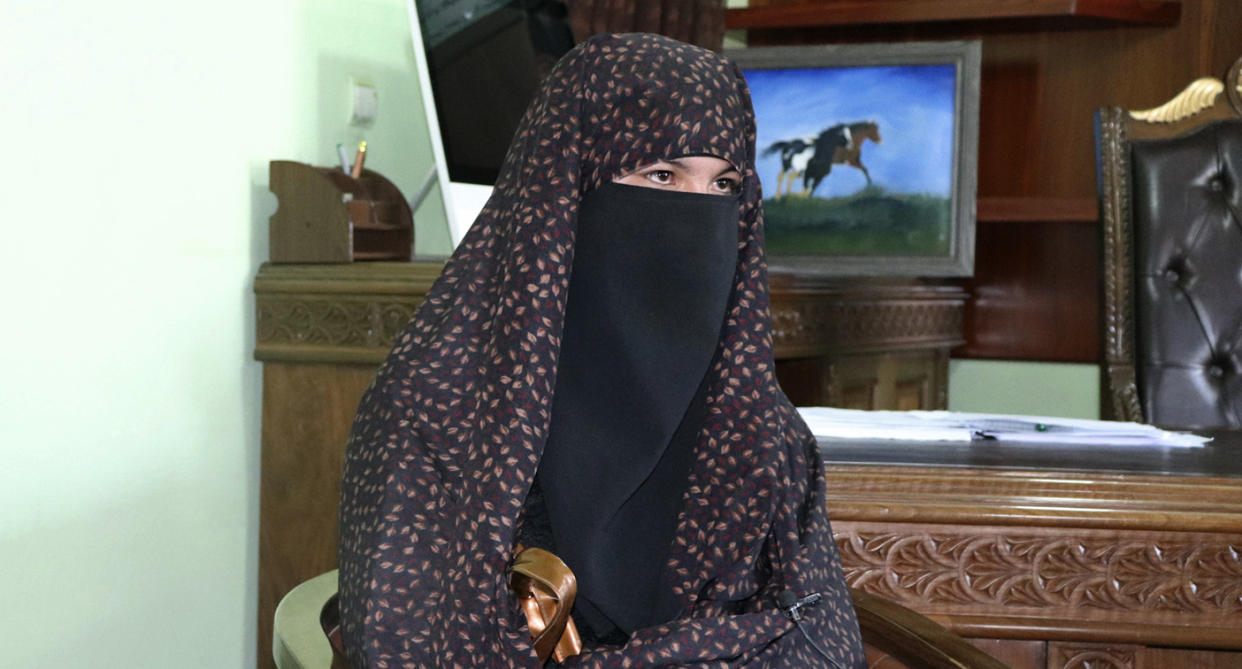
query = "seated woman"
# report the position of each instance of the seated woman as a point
(593, 374)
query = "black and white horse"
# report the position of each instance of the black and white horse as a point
(795, 153)
(839, 144)
(812, 158)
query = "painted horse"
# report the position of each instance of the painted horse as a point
(795, 153)
(840, 144)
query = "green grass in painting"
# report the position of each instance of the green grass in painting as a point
(869, 222)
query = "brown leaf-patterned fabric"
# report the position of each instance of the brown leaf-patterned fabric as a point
(448, 436)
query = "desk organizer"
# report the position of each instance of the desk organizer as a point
(326, 216)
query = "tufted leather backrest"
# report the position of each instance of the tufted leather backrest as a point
(1170, 182)
(1186, 209)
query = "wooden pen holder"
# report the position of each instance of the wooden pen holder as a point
(326, 216)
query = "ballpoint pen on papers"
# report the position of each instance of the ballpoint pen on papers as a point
(340, 152)
(359, 158)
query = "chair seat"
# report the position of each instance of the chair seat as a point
(298, 641)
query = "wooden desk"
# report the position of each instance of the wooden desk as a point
(1057, 557)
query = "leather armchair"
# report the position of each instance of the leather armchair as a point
(1171, 198)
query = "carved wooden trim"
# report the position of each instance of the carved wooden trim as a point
(1234, 92)
(1178, 574)
(1119, 391)
(287, 324)
(1201, 94)
(352, 313)
(1161, 581)
(1093, 656)
(802, 328)
(829, 318)
(1047, 499)
(345, 313)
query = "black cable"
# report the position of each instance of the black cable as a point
(792, 606)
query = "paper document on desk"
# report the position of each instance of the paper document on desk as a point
(955, 426)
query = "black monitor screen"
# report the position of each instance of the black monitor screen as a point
(487, 58)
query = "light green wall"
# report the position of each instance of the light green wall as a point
(735, 39)
(135, 204)
(1036, 388)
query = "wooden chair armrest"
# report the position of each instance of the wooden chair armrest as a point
(308, 617)
(913, 638)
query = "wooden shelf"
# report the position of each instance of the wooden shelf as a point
(367, 225)
(858, 12)
(1036, 209)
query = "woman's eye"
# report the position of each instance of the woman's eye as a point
(662, 177)
(727, 185)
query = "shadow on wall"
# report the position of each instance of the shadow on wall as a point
(263, 204)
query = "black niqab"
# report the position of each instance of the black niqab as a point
(651, 277)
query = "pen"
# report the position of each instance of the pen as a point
(359, 159)
(340, 151)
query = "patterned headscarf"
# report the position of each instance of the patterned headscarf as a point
(449, 435)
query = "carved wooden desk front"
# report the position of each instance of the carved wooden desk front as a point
(1065, 558)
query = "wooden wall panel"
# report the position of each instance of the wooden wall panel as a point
(1042, 80)
(1035, 295)
(1016, 654)
(307, 411)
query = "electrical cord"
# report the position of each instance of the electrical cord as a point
(792, 606)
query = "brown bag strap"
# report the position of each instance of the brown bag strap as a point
(545, 587)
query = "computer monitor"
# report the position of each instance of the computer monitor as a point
(481, 61)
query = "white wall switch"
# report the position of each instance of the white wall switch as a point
(364, 103)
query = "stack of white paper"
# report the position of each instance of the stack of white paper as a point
(953, 426)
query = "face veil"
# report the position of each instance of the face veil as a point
(449, 438)
(652, 274)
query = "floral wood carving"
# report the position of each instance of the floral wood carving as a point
(341, 322)
(367, 323)
(354, 312)
(1121, 390)
(1092, 656)
(868, 323)
(1044, 572)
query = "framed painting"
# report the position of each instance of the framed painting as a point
(867, 155)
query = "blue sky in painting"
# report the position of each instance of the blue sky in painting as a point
(912, 104)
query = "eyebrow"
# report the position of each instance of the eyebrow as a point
(677, 162)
